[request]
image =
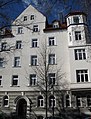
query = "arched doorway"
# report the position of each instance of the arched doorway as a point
(21, 108)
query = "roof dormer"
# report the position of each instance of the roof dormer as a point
(55, 24)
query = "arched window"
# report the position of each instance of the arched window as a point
(52, 101)
(40, 101)
(67, 101)
(5, 101)
(40, 117)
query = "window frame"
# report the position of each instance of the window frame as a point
(51, 41)
(52, 59)
(80, 54)
(32, 17)
(15, 78)
(34, 43)
(78, 36)
(33, 80)
(76, 19)
(7, 101)
(35, 28)
(82, 76)
(25, 18)
(20, 30)
(40, 101)
(34, 60)
(52, 78)
(1, 62)
(17, 62)
(52, 101)
(18, 44)
(1, 80)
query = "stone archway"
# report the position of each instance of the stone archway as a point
(21, 107)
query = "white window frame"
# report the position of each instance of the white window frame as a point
(52, 101)
(16, 78)
(35, 28)
(1, 62)
(52, 78)
(32, 17)
(52, 59)
(78, 35)
(40, 101)
(6, 100)
(17, 62)
(34, 43)
(0, 80)
(76, 19)
(33, 80)
(18, 44)
(34, 60)
(82, 75)
(4, 46)
(51, 41)
(80, 54)
(79, 98)
(25, 18)
(20, 30)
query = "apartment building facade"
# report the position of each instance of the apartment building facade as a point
(30, 45)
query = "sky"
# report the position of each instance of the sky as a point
(50, 8)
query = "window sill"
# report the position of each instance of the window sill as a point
(14, 86)
(33, 65)
(16, 66)
(34, 47)
(53, 64)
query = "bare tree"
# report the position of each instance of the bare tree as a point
(47, 83)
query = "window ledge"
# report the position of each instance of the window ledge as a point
(14, 86)
(16, 66)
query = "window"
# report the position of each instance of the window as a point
(33, 79)
(52, 59)
(51, 101)
(80, 54)
(34, 42)
(1, 62)
(51, 77)
(0, 80)
(76, 19)
(17, 62)
(40, 101)
(15, 80)
(82, 75)
(39, 117)
(79, 101)
(4, 46)
(18, 44)
(89, 100)
(77, 35)
(67, 101)
(51, 41)
(35, 28)
(34, 60)
(5, 101)
(70, 37)
(25, 18)
(20, 30)
(32, 17)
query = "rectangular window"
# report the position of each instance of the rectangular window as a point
(1, 62)
(34, 60)
(20, 30)
(4, 46)
(15, 80)
(76, 19)
(34, 42)
(51, 41)
(18, 44)
(33, 79)
(17, 62)
(79, 101)
(51, 78)
(80, 54)
(25, 18)
(52, 59)
(77, 35)
(35, 28)
(0, 80)
(82, 75)
(32, 17)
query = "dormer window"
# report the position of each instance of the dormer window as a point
(25, 18)
(56, 25)
(76, 19)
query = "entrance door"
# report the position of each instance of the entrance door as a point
(22, 108)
